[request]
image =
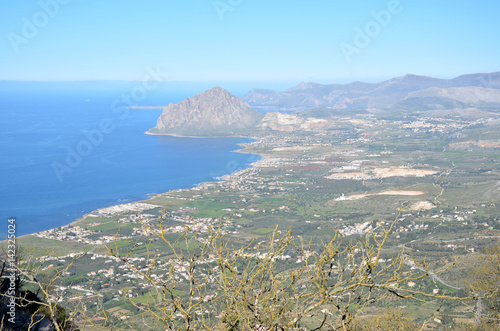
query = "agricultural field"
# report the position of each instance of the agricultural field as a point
(439, 196)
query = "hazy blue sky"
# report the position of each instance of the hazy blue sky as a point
(247, 40)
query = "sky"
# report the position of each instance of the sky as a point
(261, 41)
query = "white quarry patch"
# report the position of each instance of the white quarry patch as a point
(393, 192)
(377, 173)
(422, 205)
(291, 122)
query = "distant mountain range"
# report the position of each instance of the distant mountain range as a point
(407, 92)
(216, 112)
(213, 112)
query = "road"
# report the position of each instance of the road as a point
(412, 264)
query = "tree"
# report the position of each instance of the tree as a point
(213, 282)
(227, 286)
(390, 320)
(22, 309)
(485, 286)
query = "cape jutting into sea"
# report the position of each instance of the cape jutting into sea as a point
(68, 151)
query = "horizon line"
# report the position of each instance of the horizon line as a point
(224, 81)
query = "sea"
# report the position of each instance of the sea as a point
(67, 149)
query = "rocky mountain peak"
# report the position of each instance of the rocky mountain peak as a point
(212, 112)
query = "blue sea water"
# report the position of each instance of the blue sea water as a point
(65, 151)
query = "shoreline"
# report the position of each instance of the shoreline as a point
(155, 195)
(195, 137)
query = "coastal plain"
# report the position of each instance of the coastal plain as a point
(347, 173)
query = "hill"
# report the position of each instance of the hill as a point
(215, 112)
(392, 93)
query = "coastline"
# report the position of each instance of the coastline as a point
(195, 186)
(197, 137)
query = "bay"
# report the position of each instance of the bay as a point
(68, 151)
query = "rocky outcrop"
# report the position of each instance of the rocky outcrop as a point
(215, 112)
